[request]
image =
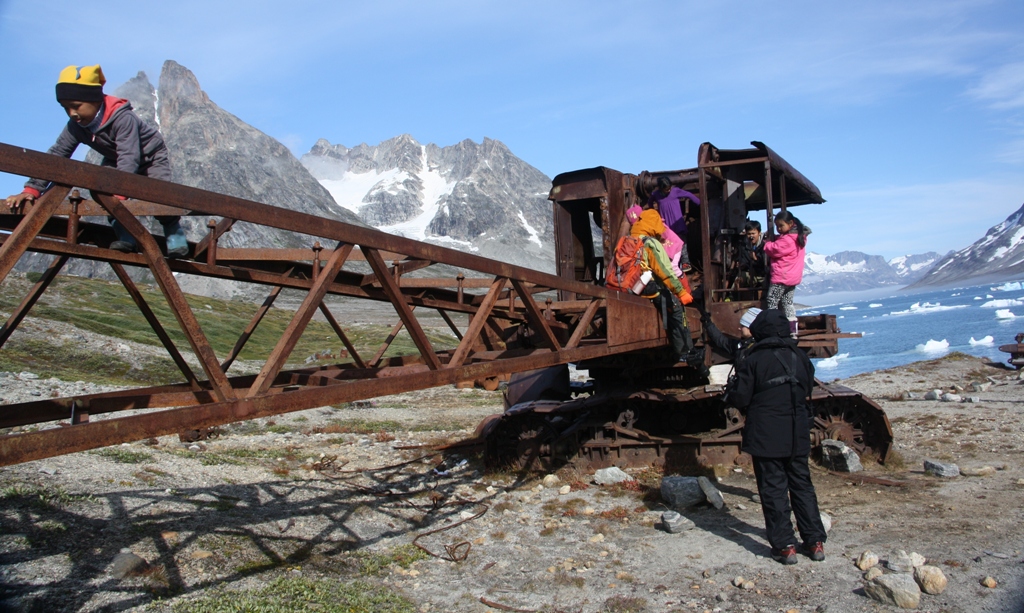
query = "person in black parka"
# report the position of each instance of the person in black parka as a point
(771, 386)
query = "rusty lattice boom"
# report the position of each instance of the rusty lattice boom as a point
(640, 408)
(493, 344)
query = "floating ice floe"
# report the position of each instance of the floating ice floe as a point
(977, 297)
(875, 305)
(833, 361)
(848, 308)
(989, 296)
(927, 307)
(985, 340)
(1010, 286)
(1002, 303)
(1005, 314)
(934, 346)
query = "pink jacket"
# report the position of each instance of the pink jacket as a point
(787, 259)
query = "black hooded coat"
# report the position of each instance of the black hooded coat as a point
(771, 386)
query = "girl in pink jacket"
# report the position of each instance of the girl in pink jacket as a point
(787, 264)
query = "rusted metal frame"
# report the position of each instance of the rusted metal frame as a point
(769, 206)
(257, 276)
(451, 324)
(299, 321)
(16, 160)
(341, 334)
(150, 316)
(221, 387)
(714, 163)
(24, 447)
(399, 270)
(251, 328)
(29, 226)
(377, 357)
(782, 192)
(398, 300)
(583, 324)
(30, 299)
(90, 208)
(535, 316)
(289, 254)
(476, 326)
(219, 230)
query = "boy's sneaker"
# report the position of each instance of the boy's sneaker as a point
(815, 551)
(123, 246)
(685, 267)
(177, 245)
(786, 555)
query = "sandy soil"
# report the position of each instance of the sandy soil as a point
(261, 502)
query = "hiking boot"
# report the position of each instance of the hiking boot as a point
(177, 244)
(814, 551)
(125, 242)
(786, 555)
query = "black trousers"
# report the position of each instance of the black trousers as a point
(779, 482)
(673, 318)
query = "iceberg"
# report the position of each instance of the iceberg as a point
(927, 307)
(1005, 314)
(985, 340)
(934, 346)
(832, 362)
(1010, 286)
(875, 305)
(1002, 304)
(848, 308)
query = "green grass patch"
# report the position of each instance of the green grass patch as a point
(356, 426)
(124, 456)
(299, 595)
(372, 564)
(42, 498)
(105, 307)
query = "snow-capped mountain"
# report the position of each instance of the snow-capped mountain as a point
(473, 197)
(999, 255)
(850, 271)
(910, 268)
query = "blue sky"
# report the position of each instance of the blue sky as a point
(908, 115)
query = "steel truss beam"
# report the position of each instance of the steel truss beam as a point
(508, 330)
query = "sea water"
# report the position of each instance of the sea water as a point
(901, 328)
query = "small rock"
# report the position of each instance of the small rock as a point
(741, 507)
(756, 498)
(48, 470)
(194, 448)
(917, 559)
(28, 376)
(980, 387)
(201, 554)
(550, 480)
(284, 524)
(722, 597)
(490, 489)
(950, 398)
(866, 560)
(957, 388)
(907, 395)
(682, 492)
(933, 395)
(899, 589)
(826, 521)
(873, 572)
(930, 579)
(983, 471)
(900, 562)
(973, 399)
(940, 469)
(748, 585)
(127, 564)
(597, 538)
(738, 581)
(711, 492)
(608, 476)
(565, 489)
(674, 522)
(989, 582)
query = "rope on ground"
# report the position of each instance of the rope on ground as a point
(458, 551)
(504, 607)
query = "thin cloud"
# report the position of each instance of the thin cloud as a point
(1002, 88)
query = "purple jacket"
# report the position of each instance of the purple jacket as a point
(671, 209)
(787, 259)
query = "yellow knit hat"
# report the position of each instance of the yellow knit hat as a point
(85, 83)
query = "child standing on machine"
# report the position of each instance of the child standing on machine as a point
(786, 251)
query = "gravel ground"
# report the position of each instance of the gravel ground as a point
(318, 494)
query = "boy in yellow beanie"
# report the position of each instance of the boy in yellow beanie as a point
(109, 126)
